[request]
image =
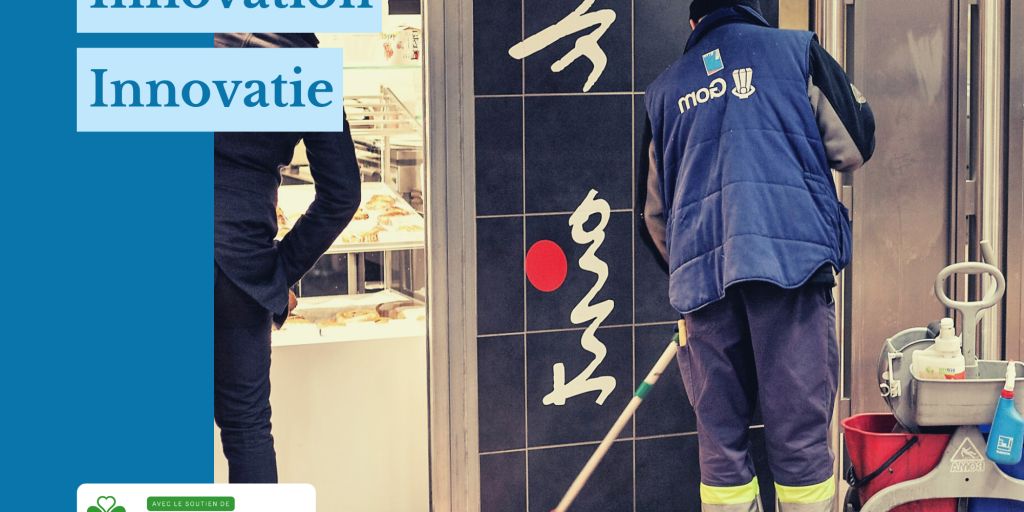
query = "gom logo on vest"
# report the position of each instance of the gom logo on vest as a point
(703, 95)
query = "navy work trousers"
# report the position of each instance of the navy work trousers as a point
(765, 345)
(241, 376)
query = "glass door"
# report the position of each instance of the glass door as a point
(349, 373)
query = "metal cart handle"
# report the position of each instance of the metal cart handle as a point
(991, 298)
(972, 309)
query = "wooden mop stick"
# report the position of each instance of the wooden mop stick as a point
(678, 341)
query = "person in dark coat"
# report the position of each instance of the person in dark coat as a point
(744, 131)
(253, 272)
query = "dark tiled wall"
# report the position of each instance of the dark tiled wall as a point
(542, 145)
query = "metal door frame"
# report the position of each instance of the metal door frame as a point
(451, 236)
(980, 167)
(1014, 228)
(992, 76)
(830, 24)
(979, 206)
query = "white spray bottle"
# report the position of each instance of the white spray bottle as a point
(944, 360)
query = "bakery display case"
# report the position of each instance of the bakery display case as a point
(384, 222)
(370, 285)
(381, 275)
(362, 312)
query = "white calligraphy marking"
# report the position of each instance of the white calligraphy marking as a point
(586, 46)
(585, 311)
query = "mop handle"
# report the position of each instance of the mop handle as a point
(638, 397)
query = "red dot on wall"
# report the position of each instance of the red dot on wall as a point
(546, 266)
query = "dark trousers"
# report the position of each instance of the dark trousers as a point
(764, 345)
(241, 365)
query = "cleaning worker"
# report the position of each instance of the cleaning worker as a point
(739, 200)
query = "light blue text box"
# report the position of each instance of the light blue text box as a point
(183, 65)
(213, 16)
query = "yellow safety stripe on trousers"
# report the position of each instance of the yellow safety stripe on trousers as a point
(710, 495)
(806, 494)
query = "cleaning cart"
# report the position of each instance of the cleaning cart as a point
(929, 411)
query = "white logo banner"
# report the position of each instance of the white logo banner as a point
(196, 498)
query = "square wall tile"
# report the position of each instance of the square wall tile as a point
(581, 419)
(553, 309)
(615, 43)
(640, 146)
(668, 474)
(610, 489)
(497, 26)
(666, 409)
(503, 482)
(652, 300)
(501, 389)
(662, 28)
(575, 144)
(499, 267)
(499, 156)
(770, 10)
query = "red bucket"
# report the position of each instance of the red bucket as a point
(870, 441)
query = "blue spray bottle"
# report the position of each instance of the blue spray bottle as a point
(1007, 435)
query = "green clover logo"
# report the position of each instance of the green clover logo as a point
(106, 504)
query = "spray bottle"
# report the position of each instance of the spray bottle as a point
(1007, 434)
(944, 360)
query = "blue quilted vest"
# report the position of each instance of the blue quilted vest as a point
(746, 185)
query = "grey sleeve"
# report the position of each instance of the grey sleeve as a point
(844, 117)
(654, 207)
(651, 215)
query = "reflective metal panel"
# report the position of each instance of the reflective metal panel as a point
(1015, 186)
(901, 225)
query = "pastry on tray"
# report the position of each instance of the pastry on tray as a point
(298, 325)
(371, 236)
(332, 321)
(388, 216)
(418, 313)
(367, 236)
(380, 202)
(356, 315)
(395, 211)
(328, 323)
(282, 223)
(391, 309)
